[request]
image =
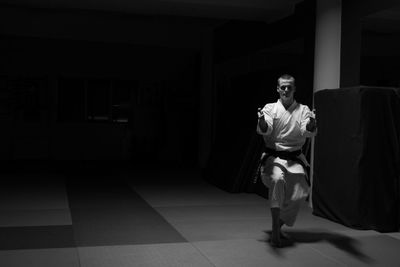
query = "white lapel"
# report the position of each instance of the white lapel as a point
(283, 120)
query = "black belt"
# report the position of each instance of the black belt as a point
(287, 155)
(291, 155)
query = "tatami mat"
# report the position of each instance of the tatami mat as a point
(394, 235)
(193, 195)
(222, 230)
(306, 219)
(257, 253)
(34, 217)
(106, 227)
(65, 257)
(101, 192)
(155, 255)
(376, 250)
(124, 219)
(214, 212)
(32, 193)
(154, 176)
(36, 237)
(105, 219)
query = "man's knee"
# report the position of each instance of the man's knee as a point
(272, 176)
(277, 175)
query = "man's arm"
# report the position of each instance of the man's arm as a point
(264, 124)
(309, 123)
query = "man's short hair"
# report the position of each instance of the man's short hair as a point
(287, 77)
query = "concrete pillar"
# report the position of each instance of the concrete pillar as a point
(327, 52)
(327, 45)
(206, 99)
(351, 44)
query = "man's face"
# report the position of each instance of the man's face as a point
(286, 89)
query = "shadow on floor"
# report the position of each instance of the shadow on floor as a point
(343, 242)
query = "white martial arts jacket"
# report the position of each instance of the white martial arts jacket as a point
(286, 128)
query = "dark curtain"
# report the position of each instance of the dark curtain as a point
(236, 147)
(357, 157)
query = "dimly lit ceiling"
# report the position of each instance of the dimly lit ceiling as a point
(256, 10)
(385, 21)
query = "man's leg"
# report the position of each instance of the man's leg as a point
(281, 233)
(276, 227)
(296, 192)
(276, 196)
(277, 223)
(273, 178)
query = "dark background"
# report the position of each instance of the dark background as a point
(136, 90)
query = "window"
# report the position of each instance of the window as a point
(29, 98)
(122, 92)
(98, 100)
(71, 100)
(94, 100)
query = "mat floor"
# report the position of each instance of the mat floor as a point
(171, 218)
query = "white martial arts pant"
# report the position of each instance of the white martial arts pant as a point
(288, 188)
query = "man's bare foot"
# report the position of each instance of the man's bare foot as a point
(275, 240)
(283, 235)
(276, 244)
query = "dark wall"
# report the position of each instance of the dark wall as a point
(38, 56)
(102, 26)
(249, 59)
(60, 46)
(366, 151)
(380, 59)
(240, 38)
(353, 13)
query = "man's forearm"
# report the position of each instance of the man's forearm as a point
(311, 127)
(262, 124)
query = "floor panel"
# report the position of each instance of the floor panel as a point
(124, 219)
(36, 237)
(155, 255)
(193, 195)
(377, 250)
(249, 252)
(214, 212)
(35, 217)
(165, 219)
(66, 257)
(222, 230)
(33, 193)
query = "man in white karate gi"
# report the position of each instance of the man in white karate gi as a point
(285, 125)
